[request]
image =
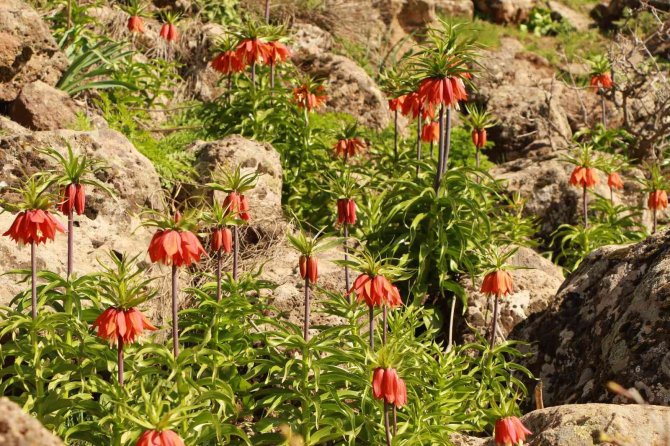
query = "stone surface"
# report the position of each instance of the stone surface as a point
(458, 8)
(535, 285)
(610, 321)
(543, 183)
(20, 429)
(575, 18)
(42, 107)
(28, 52)
(505, 11)
(109, 223)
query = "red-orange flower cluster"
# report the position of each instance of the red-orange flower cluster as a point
(376, 291)
(73, 198)
(162, 438)
(497, 283)
(34, 225)
(116, 323)
(169, 32)
(614, 181)
(395, 104)
(135, 24)
(236, 203)
(658, 200)
(509, 431)
(227, 63)
(584, 177)
(413, 104)
(178, 248)
(277, 52)
(349, 147)
(447, 91)
(310, 100)
(309, 268)
(252, 51)
(222, 239)
(430, 132)
(601, 81)
(346, 211)
(389, 387)
(479, 138)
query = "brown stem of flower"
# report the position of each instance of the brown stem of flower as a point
(267, 11)
(611, 196)
(653, 227)
(253, 74)
(305, 330)
(395, 135)
(70, 243)
(477, 162)
(387, 428)
(236, 251)
(440, 153)
(69, 14)
(372, 328)
(272, 78)
(33, 276)
(451, 323)
(218, 275)
(175, 322)
(418, 142)
(604, 111)
(119, 359)
(229, 89)
(585, 208)
(386, 324)
(447, 143)
(495, 322)
(346, 257)
(395, 420)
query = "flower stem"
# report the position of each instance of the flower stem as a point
(611, 196)
(440, 154)
(218, 275)
(604, 112)
(447, 143)
(386, 325)
(653, 228)
(495, 322)
(395, 420)
(372, 328)
(272, 78)
(70, 243)
(418, 142)
(175, 322)
(33, 276)
(229, 90)
(585, 208)
(387, 428)
(236, 251)
(346, 257)
(253, 74)
(120, 360)
(267, 11)
(305, 330)
(451, 323)
(395, 135)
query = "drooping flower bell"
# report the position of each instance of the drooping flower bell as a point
(497, 283)
(227, 63)
(160, 438)
(310, 97)
(222, 239)
(135, 24)
(309, 268)
(34, 225)
(389, 387)
(277, 53)
(614, 181)
(603, 80)
(349, 147)
(73, 198)
(253, 51)
(169, 32)
(174, 247)
(413, 105)
(346, 211)
(447, 91)
(509, 431)
(658, 200)
(237, 204)
(479, 138)
(395, 104)
(376, 291)
(430, 132)
(126, 324)
(584, 177)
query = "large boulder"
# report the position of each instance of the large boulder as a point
(609, 322)
(19, 429)
(110, 223)
(505, 11)
(28, 52)
(40, 106)
(535, 284)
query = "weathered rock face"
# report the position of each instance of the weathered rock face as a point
(590, 425)
(610, 321)
(42, 107)
(535, 286)
(505, 11)
(28, 52)
(109, 223)
(575, 18)
(19, 429)
(543, 183)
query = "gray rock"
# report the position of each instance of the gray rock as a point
(20, 429)
(42, 107)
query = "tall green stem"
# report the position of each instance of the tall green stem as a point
(175, 322)
(346, 257)
(372, 328)
(447, 143)
(585, 209)
(440, 152)
(495, 322)
(33, 276)
(236, 251)
(305, 330)
(70, 243)
(218, 275)
(119, 359)
(387, 427)
(395, 135)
